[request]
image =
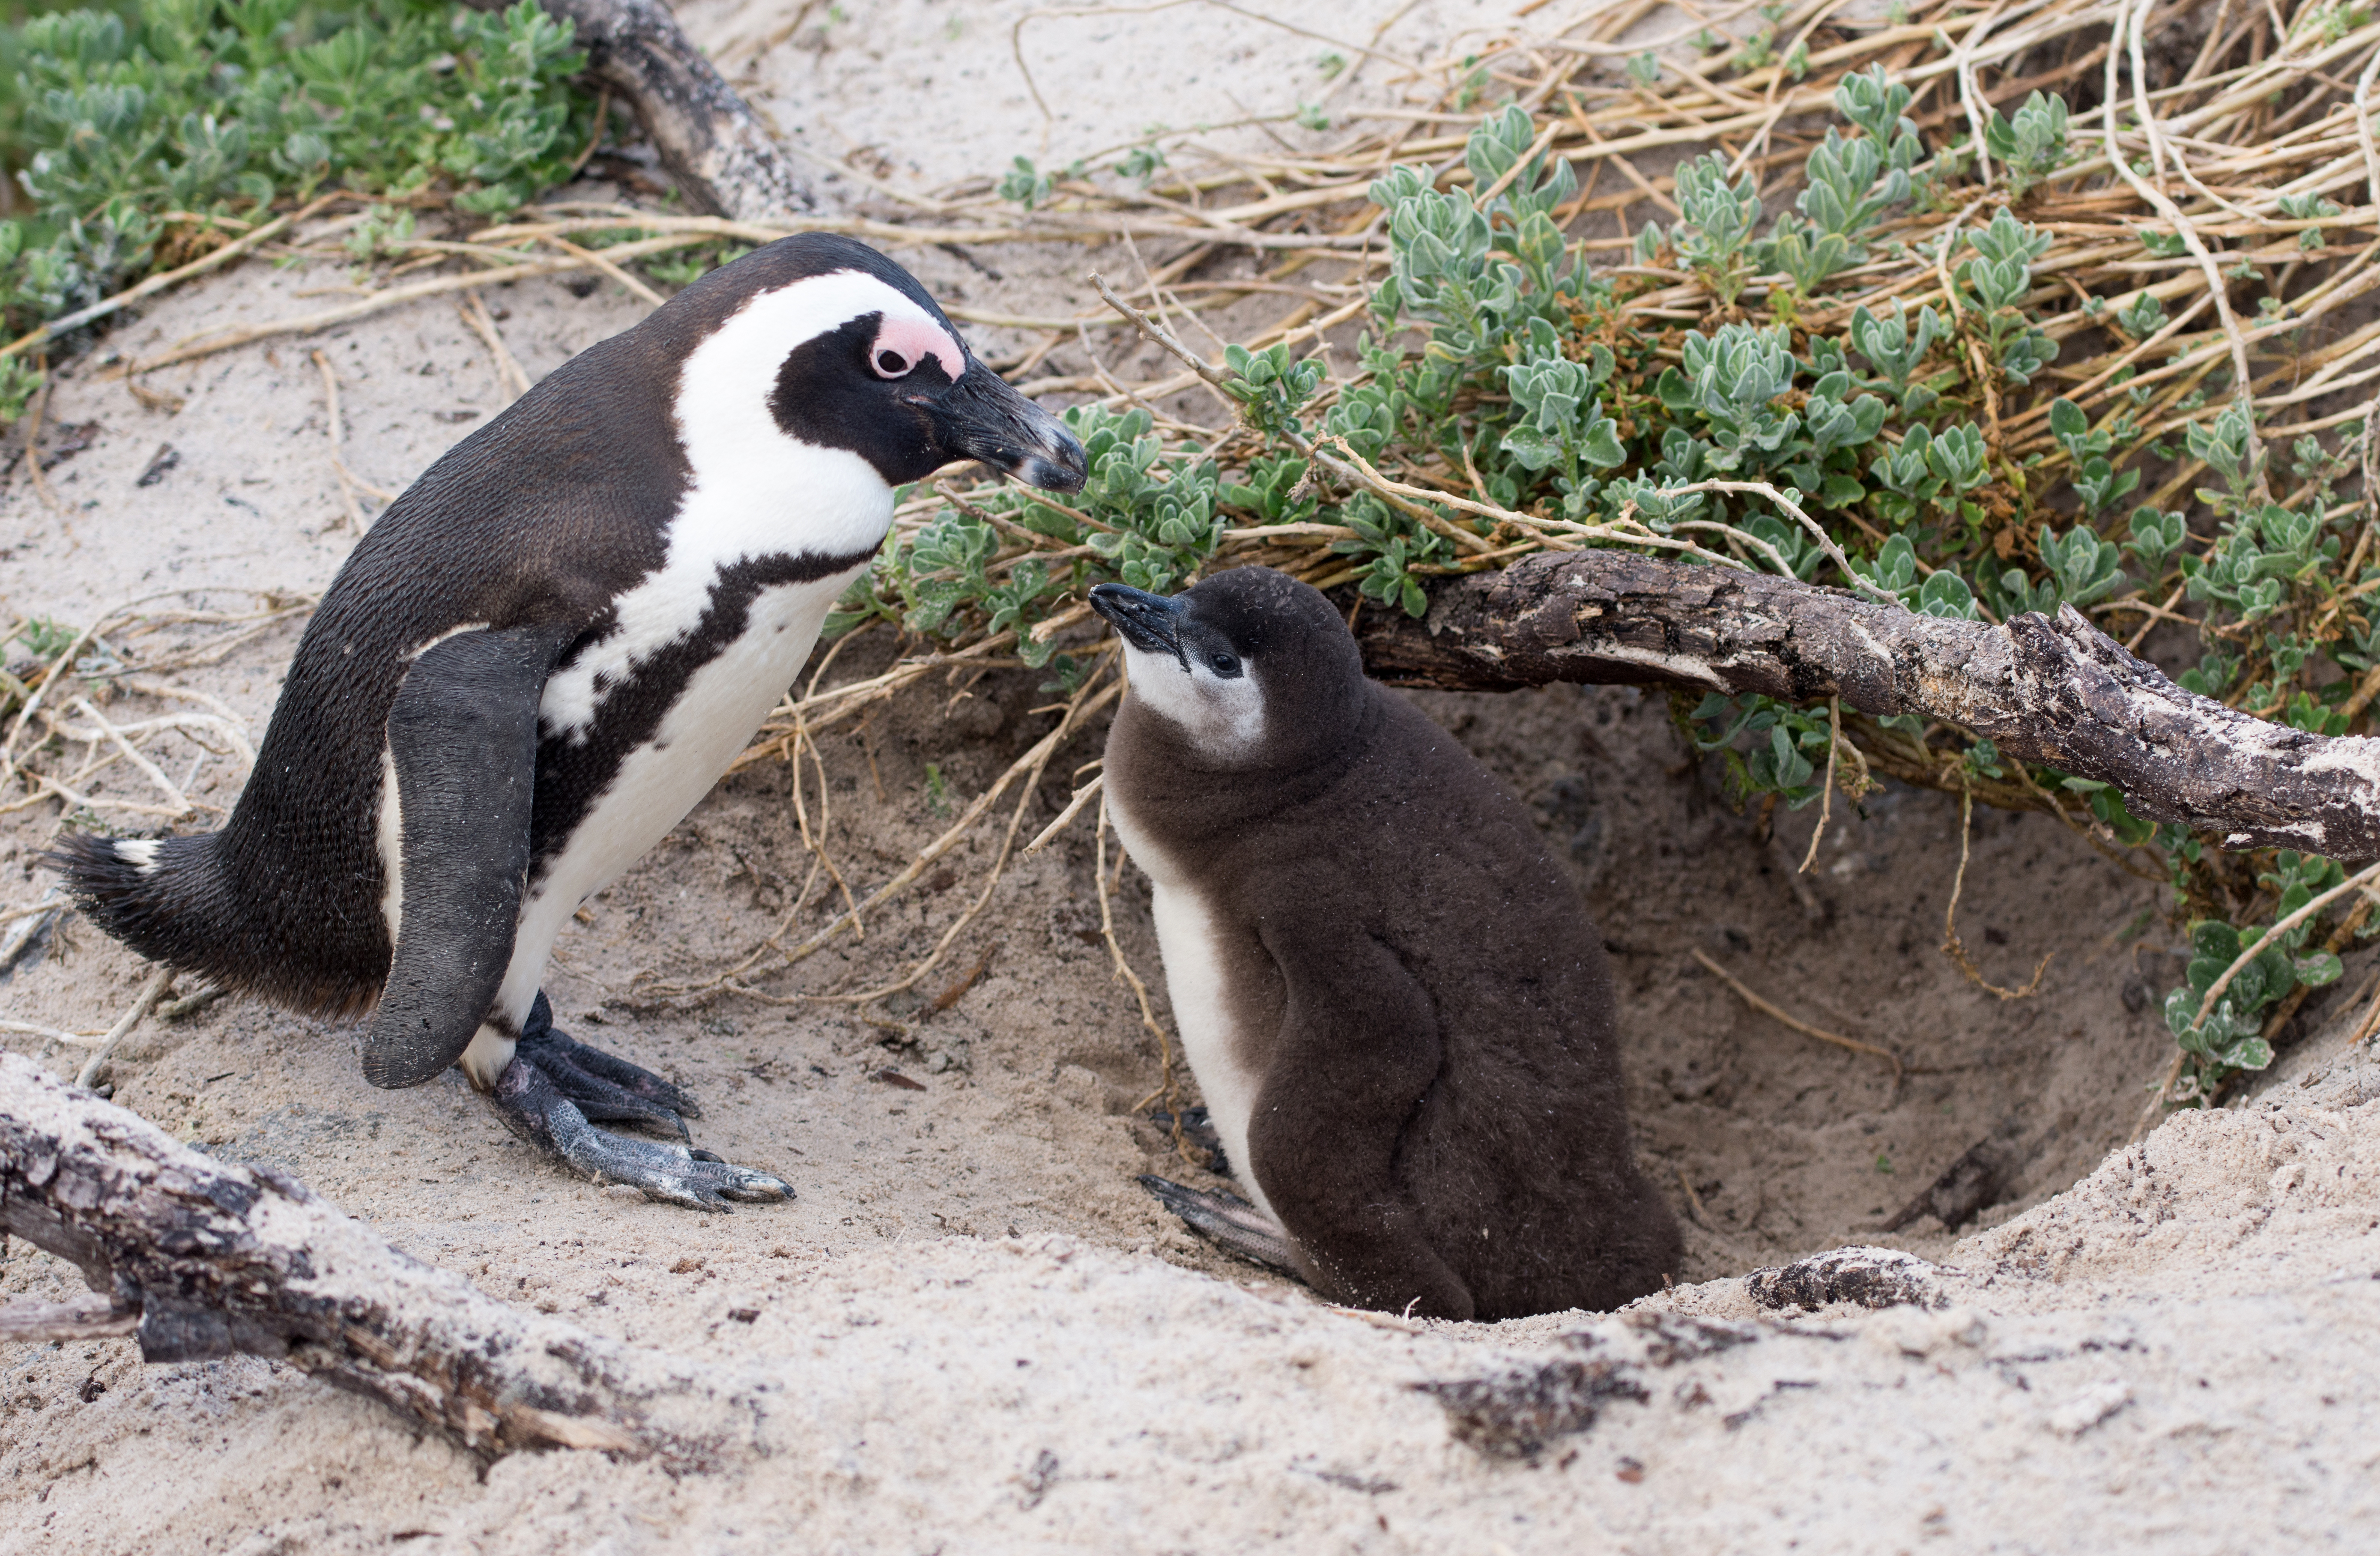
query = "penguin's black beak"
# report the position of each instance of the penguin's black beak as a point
(1150, 623)
(981, 418)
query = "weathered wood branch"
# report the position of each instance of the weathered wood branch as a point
(719, 152)
(2057, 693)
(89, 1318)
(199, 1259)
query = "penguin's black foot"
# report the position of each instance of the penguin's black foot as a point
(1228, 1222)
(608, 1089)
(532, 1104)
(1199, 1128)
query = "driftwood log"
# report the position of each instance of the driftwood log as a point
(2054, 692)
(713, 145)
(199, 1258)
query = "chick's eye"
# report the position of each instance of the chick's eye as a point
(1225, 665)
(892, 364)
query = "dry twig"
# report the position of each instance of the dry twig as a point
(512, 381)
(1955, 948)
(1776, 1014)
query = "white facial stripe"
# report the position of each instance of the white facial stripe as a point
(757, 491)
(722, 399)
(1224, 717)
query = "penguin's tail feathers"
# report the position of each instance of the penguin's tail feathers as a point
(166, 897)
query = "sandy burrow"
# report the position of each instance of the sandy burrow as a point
(2176, 1356)
(1000, 1347)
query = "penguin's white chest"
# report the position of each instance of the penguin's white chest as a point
(734, 527)
(664, 777)
(1188, 940)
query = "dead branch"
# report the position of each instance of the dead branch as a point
(714, 148)
(199, 1258)
(2052, 692)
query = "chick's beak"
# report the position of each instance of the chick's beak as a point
(1150, 623)
(981, 418)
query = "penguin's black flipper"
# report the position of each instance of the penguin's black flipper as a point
(1229, 1222)
(462, 736)
(1357, 1050)
(535, 1109)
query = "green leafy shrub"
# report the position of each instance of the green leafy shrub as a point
(1521, 398)
(130, 124)
(2033, 145)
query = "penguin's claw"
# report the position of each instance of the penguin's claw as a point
(1229, 1222)
(534, 1108)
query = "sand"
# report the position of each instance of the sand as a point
(1004, 1345)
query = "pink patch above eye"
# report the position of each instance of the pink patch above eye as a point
(901, 344)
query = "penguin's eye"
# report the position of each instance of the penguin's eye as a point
(892, 364)
(1223, 664)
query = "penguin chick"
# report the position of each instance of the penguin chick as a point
(538, 660)
(1397, 1010)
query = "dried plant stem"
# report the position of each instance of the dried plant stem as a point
(512, 381)
(2361, 880)
(1826, 793)
(2336, 943)
(821, 709)
(142, 1005)
(2132, 11)
(1030, 762)
(33, 444)
(165, 279)
(178, 804)
(816, 842)
(2164, 1092)
(51, 1035)
(346, 480)
(58, 665)
(1083, 796)
(394, 296)
(2368, 1025)
(1693, 1200)
(595, 260)
(1952, 946)
(49, 678)
(1805, 1028)
(1088, 700)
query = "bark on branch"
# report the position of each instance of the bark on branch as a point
(199, 1258)
(713, 145)
(2054, 691)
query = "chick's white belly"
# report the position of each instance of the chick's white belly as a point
(1194, 977)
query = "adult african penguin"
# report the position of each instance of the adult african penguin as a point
(543, 655)
(1397, 1010)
